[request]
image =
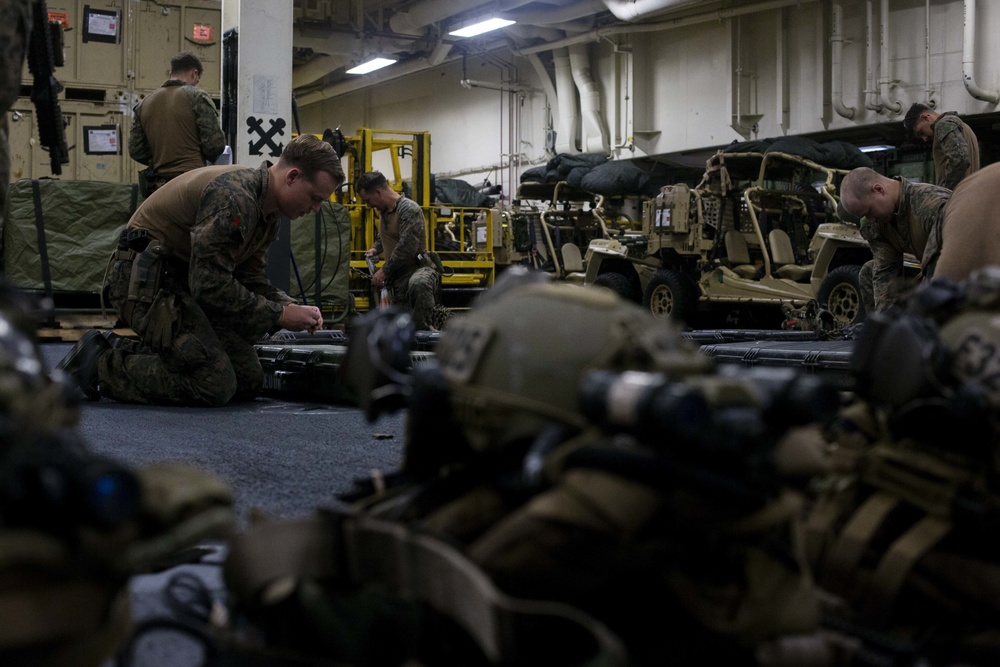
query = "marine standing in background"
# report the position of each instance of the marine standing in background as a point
(188, 277)
(176, 128)
(899, 217)
(955, 146)
(402, 240)
(15, 27)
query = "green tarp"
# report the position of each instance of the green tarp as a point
(81, 223)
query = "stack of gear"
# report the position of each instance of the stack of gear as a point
(569, 450)
(74, 526)
(901, 534)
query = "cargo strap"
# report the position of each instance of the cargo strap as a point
(43, 252)
(819, 529)
(271, 557)
(841, 566)
(899, 560)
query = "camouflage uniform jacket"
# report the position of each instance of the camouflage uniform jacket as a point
(956, 150)
(212, 222)
(176, 129)
(915, 228)
(401, 237)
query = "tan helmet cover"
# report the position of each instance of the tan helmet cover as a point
(516, 361)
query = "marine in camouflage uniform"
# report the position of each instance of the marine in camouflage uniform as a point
(898, 217)
(176, 128)
(15, 27)
(203, 299)
(401, 239)
(955, 145)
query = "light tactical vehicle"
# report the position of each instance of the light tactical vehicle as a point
(759, 230)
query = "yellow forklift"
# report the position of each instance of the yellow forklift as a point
(463, 237)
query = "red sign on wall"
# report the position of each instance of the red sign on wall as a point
(202, 33)
(62, 17)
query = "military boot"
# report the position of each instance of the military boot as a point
(81, 363)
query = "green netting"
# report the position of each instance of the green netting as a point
(82, 220)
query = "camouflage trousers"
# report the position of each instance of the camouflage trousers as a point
(418, 291)
(889, 293)
(203, 364)
(866, 282)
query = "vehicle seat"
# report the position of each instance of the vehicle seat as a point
(572, 260)
(784, 258)
(738, 255)
(572, 263)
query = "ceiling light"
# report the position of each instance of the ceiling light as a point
(481, 27)
(371, 65)
(875, 149)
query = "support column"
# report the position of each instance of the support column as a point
(261, 123)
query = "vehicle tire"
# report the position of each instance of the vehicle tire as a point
(671, 294)
(840, 293)
(615, 282)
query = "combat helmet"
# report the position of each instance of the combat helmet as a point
(934, 365)
(516, 361)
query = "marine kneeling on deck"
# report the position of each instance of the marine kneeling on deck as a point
(188, 277)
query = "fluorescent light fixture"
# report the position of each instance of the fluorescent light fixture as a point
(481, 27)
(875, 149)
(370, 66)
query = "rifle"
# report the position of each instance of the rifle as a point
(44, 55)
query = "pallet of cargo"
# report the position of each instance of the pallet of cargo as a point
(69, 327)
(830, 360)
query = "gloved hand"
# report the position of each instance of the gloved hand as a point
(159, 324)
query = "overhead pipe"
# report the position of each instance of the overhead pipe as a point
(381, 76)
(630, 10)
(543, 75)
(332, 51)
(969, 56)
(870, 77)
(594, 128)
(836, 71)
(469, 84)
(574, 17)
(928, 92)
(569, 117)
(884, 80)
(316, 69)
(660, 26)
(425, 12)
(780, 73)
(417, 65)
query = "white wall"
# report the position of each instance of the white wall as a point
(681, 94)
